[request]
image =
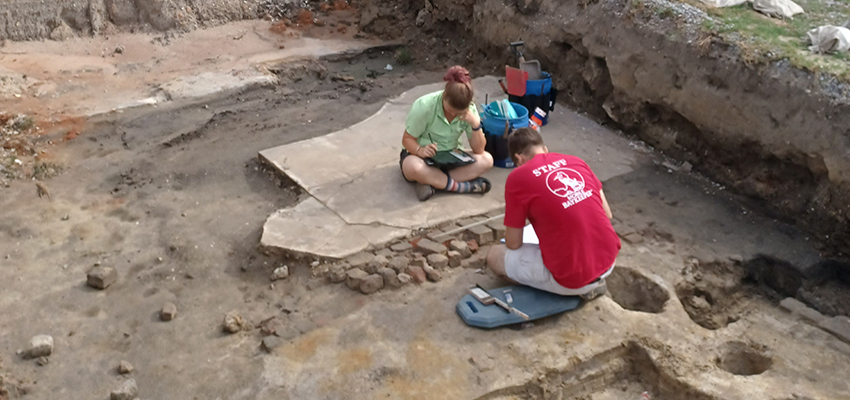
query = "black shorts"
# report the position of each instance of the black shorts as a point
(405, 153)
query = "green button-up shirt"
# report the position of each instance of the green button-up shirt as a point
(428, 124)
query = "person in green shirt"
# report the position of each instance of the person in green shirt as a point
(436, 122)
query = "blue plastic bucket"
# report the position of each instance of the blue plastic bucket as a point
(539, 87)
(494, 131)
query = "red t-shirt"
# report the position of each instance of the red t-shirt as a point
(559, 194)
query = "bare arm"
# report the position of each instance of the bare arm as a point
(605, 205)
(412, 146)
(513, 238)
(477, 141)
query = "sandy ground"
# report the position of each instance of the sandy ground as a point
(174, 199)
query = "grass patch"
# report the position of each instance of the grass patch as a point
(769, 39)
(403, 56)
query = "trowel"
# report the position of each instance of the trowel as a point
(531, 67)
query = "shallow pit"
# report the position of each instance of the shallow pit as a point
(635, 292)
(621, 373)
(740, 358)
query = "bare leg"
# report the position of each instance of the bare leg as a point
(496, 261)
(415, 169)
(483, 163)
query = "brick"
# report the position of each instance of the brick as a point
(438, 261)
(473, 245)
(372, 284)
(399, 263)
(336, 273)
(354, 277)
(461, 247)
(101, 277)
(498, 230)
(390, 277)
(432, 274)
(375, 264)
(385, 252)
(419, 261)
(418, 274)
(466, 222)
(427, 246)
(478, 260)
(496, 213)
(401, 247)
(360, 260)
(168, 312)
(481, 234)
(838, 326)
(454, 258)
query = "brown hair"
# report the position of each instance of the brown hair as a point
(458, 91)
(521, 140)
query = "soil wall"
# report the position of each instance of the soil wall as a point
(62, 19)
(770, 131)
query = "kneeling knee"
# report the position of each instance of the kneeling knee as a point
(487, 159)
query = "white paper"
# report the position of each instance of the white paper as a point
(529, 236)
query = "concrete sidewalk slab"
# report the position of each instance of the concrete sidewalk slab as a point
(354, 174)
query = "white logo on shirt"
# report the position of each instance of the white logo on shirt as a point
(569, 184)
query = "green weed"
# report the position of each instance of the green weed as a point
(403, 56)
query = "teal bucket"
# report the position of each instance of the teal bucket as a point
(494, 131)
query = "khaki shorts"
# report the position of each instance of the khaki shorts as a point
(525, 266)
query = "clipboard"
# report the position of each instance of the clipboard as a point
(450, 158)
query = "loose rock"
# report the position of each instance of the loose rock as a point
(101, 277)
(124, 367)
(128, 391)
(371, 284)
(386, 253)
(168, 312)
(40, 346)
(419, 261)
(417, 273)
(233, 322)
(460, 247)
(454, 258)
(404, 279)
(427, 246)
(377, 263)
(473, 245)
(337, 274)
(271, 342)
(432, 274)
(633, 238)
(390, 277)
(354, 277)
(42, 361)
(280, 273)
(399, 264)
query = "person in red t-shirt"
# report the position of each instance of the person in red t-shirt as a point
(564, 201)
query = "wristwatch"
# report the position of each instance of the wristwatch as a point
(477, 127)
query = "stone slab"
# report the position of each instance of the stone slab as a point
(312, 228)
(359, 199)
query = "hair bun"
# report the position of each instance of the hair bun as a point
(457, 74)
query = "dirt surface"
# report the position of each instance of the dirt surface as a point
(173, 198)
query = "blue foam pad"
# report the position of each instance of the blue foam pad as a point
(536, 303)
